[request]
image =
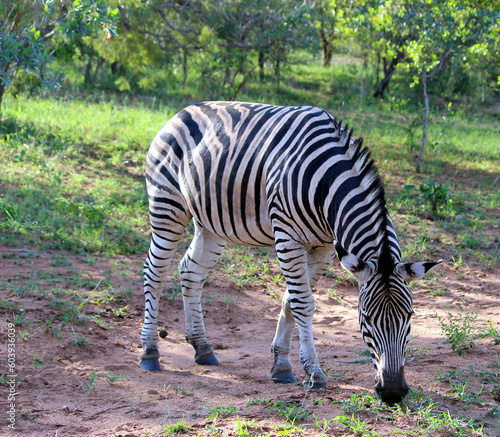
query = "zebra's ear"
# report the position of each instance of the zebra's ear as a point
(412, 271)
(353, 264)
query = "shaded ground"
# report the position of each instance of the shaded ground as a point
(81, 317)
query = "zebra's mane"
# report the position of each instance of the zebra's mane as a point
(371, 183)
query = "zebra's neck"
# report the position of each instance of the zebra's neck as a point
(356, 210)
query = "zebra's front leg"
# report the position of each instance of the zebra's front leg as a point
(298, 307)
(315, 378)
(282, 369)
(202, 254)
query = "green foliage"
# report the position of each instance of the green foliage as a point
(492, 332)
(356, 425)
(25, 27)
(436, 196)
(91, 384)
(79, 340)
(179, 427)
(222, 411)
(460, 330)
(291, 411)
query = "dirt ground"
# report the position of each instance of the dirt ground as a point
(56, 356)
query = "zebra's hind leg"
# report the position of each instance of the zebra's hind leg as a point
(202, 254)
(163, 243)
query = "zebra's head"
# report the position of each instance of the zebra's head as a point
(385, 309)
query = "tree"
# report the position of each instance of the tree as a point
(26, 26)
(446, 31)
(331, 18)
(176, 26)
(390, 27)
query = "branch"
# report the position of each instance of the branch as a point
(440, 66)
(126, 23)
(184, 31)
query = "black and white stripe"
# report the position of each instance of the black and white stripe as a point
(292, 177)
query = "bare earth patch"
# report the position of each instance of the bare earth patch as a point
(78, 350)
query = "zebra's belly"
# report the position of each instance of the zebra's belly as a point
(246, 234)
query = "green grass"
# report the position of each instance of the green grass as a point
(73, 170)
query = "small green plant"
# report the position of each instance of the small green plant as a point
(136, 405)
(179, 427)
(25, 335)
(37, 361)
(457, 262)
(291, 411)
(274, 296)
(173, 291)
(333, 375)
(460, 330)
(88, 386)
(332, 294)
(416, 351)
(111, 377)
(347, 279)
(181, 391)
(3, 377)
(436, 196)
(277, 279)
(79, 340)
(258, 401)
(89, 259)
(222, 411)
(244, 428)
(356, 425)
(208, 297)
(21, 319)
(437, 292)
(323, 425)
(120, 312)
(492, 332)
(60, 260)
(228, 301)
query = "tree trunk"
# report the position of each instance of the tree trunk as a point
(243, 82)
(277, 73)
(87, 78)
(377, 74)
(100, 61)
(327, 48)
(483, 85)
(384, 83)
(2, 89)
(362, 87)
(104, 72)
(420, 158)
(262, 58)
(184, 66)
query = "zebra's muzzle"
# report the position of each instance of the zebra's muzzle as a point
(392, 390)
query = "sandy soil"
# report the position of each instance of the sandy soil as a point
(54, 374)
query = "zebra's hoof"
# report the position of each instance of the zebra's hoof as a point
(284, 378)
(151, 364)
(207, 360)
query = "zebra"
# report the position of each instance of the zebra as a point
(293, 177)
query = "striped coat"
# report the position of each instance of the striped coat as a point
(292, 177)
